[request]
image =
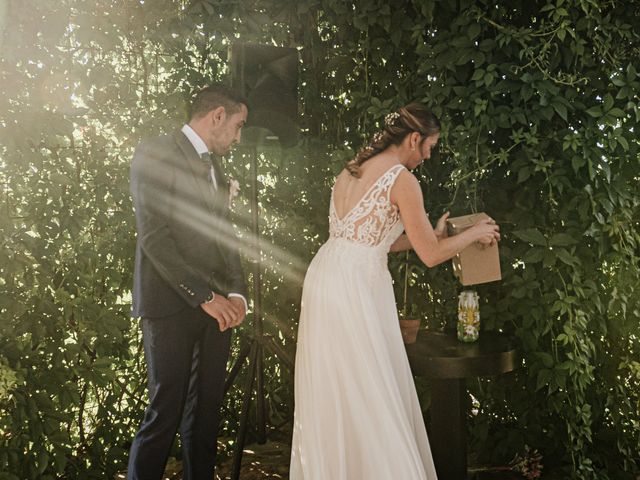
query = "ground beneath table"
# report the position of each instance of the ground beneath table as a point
(271, 462)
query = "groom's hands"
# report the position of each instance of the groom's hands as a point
(240, 307)
(227, 312)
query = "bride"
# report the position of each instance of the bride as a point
(357, 415)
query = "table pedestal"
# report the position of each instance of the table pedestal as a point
(447, 362)
(448, 432)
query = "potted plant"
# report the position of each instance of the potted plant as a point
(409, 321)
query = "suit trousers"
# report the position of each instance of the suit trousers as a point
(186, 357)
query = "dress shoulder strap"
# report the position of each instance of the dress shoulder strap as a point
(391, 177)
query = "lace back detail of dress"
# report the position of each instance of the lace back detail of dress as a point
(373, 217)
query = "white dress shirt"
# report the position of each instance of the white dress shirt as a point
(200, 147)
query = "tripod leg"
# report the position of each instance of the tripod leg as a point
(244, 414)
(233, 373)
(261, 417)
(284, 357)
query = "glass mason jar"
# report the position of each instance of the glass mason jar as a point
(468, 316)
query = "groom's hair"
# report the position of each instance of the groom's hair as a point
(214, 96)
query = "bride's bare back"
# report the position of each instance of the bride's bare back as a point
(348, 190)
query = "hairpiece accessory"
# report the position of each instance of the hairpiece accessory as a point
(368, 148)
(391, 118)
(377, 137)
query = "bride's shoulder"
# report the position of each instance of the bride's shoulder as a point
(344, 173)
(405, 185)
(406, 178)
(341, 177)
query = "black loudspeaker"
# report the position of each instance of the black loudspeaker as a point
(268, 77)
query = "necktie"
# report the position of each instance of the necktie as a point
(215, 172)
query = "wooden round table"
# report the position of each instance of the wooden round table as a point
(445, 360)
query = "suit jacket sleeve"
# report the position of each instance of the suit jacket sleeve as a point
(152, 179)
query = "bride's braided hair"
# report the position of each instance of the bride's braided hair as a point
(414, 117)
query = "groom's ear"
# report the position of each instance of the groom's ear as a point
(218, 115)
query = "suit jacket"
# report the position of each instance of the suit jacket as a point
(186, 245)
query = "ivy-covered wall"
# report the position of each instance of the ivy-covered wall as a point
(540, 108)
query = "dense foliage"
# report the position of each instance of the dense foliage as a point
(540, 107)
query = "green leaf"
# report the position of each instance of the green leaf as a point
(531, 235)
(595, 111)
(534, 255)
(60, 460)
(608, 102)
(617, 112)
(546, 358)
(549, 259)
(360, 22)
(473, 31)
(520, 118)
(42, 460)
(544, 375)
(566, 257)
(608, 206)
(527, 78)
(547, 112)
(523, 174)
(396, 36)
(477, 74)
(618, 81)
(562, 240)
(526, 92)
(479, 58)
(561, 110)
(623, 142)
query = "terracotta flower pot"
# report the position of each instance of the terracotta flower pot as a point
(409, 328)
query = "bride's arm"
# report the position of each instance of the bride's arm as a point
(403, 243)
(406, 194)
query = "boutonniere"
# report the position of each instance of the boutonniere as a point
(234, 188)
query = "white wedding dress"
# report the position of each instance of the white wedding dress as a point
(357, 415)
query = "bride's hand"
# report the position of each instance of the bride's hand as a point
(441, 226)
(487, 232)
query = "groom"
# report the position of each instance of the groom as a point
(189, 287)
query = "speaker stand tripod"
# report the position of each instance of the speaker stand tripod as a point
(258, 342)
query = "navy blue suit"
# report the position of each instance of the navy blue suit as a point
(186, 248)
